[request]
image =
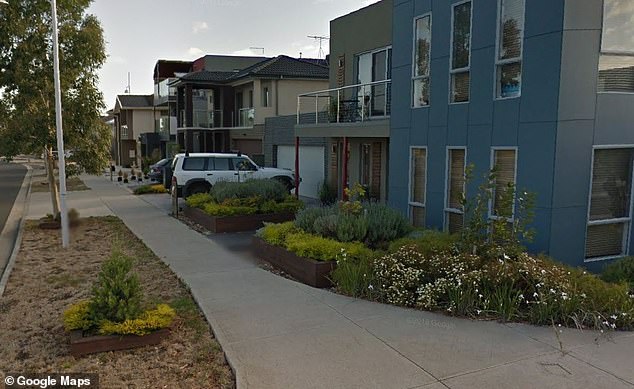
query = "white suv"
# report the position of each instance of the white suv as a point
(198, 172)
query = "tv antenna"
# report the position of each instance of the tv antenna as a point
(321, 40)
(257, 48)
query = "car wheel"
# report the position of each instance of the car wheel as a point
(197, 188)
(286, 182)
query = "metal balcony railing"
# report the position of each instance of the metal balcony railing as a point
(349, 104)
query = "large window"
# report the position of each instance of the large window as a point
(454, 212)
(509, 48)
(616, 64)
(422, 61)
(418, 185)
(373, 96)
(610, 203)
(504, 163)
(460, 52)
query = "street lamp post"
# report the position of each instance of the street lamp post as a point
(58, 123)
(60, 132)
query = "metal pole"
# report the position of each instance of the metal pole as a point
(345, 167)
(60, 133)
(297, 166)
(338, 104)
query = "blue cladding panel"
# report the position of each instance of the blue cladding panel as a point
(482, 70)
(505, 122)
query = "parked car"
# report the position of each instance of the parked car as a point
(198, 172)
(157, 169)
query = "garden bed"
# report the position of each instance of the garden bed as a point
(305, 270)
(47, 279)
(81, 344)
(239, 223)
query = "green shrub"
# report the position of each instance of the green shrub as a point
(351, 228)
(327, 193)
(427, 242)
(306, 218)
(385, 224)
(323, 249)
(214, 209)
(199, 200)
(289, 205)
(620, 271)
(117, 294)
(276, 234)
(263, 189)
(354, 276)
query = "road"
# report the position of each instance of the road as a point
(11, 177)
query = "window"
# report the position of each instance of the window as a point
(509, 48)
(371, 68)
(418, 184)
(422, 61)
(460, 52)
(265, 97)
(504, 165)
(221, 164)
(251, 98)
(609, 216)
(194, 164)
(242, 164)
(616, 63)
(454, 211)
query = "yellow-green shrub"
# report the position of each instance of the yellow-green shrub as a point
(323, 249)
(199, 200)
(149, 321)
(147, 189)
(214, 209)
(77, 317)
(276, 234)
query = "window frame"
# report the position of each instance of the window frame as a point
(509, 61)
(627, 232)
(467, 69)
(411, 204)
(447, 209)
(611, 53)
(491, 166)
(414, 76)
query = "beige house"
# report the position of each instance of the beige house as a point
(134, 122)
(223, 102)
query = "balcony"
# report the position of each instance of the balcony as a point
(361, 110)
(163, 93)
(219, 119)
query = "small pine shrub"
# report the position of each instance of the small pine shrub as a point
(199, 200)
(327, 194)
(117, 294)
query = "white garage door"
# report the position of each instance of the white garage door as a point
(311, 167)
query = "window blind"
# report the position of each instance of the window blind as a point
(504, 175)
(456, 178)
(611, 184)
(418, 179)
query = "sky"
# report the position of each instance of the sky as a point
(139, 32)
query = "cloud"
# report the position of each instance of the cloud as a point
(199, 26)
(248, 52)
(116, 59)
(195, 52)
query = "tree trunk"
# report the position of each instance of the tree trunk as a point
(52, 184)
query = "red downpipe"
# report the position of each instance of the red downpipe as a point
(345, 168)
(297, 166)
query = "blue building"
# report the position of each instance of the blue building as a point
(541, 89)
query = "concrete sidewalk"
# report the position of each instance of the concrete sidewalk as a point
(281, 334)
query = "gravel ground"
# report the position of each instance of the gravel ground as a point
(47, 279)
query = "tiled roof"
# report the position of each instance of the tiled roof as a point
(281, 66)
(136, 101)
(206, 75)
(284, 66)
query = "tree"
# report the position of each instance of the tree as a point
(27, 94)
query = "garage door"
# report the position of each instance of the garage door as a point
(311, 167)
